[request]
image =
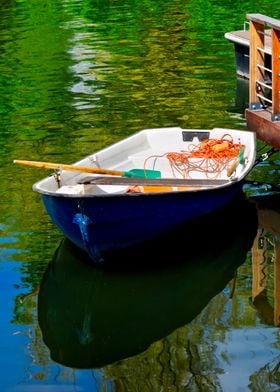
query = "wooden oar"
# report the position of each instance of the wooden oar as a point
(137, 173)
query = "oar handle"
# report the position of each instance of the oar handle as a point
(239, 159)
(232, 168)
(62, 166)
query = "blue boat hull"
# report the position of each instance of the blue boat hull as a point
(109, 314)
(100, 225)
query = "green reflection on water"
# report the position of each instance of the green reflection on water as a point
(78, 75)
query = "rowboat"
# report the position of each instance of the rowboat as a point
(91, 317)
(145, 185)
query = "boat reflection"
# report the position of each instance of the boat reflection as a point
(91, 317)
(266, 261)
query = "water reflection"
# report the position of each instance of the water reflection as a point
(75, 76)
(266, 262)
(241, 101)
(91, 317)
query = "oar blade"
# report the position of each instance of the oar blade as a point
(142, 173)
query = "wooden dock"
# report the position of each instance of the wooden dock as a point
(241, 41)
(257, 52)
(263, 114)
(266, 130)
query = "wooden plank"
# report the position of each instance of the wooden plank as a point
(265, 20)
(275, 75)
(211, 183)
(256, 58)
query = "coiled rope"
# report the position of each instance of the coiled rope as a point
(211, 156)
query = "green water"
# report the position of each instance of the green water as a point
(76, 76)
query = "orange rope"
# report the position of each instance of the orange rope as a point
(211, 156)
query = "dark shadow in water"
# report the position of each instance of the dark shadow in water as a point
(200, 238)
(241, 97)
(268, 201)
(92, 317)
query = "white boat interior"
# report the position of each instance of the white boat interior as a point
(148, 149)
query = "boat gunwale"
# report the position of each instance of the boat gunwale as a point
(231, 180)
(137, 194)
